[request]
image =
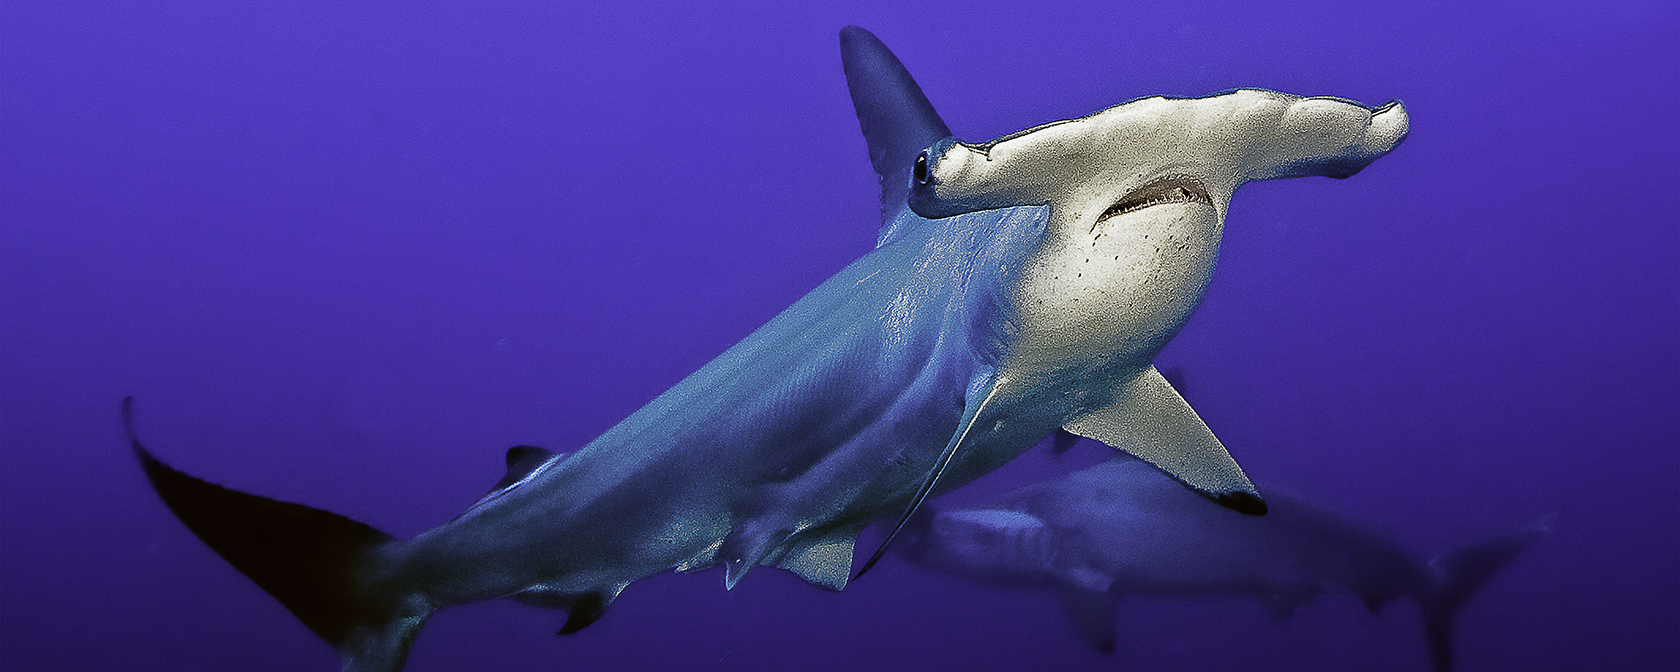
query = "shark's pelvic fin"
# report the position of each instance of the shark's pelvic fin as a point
(1148, 419)
(582, 609)
(823, 561)
(896, 117)
(751, 543)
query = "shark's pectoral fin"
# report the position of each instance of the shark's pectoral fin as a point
(982, 389)
(1092, 614)
(1149, 420)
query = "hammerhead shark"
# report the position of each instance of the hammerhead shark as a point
(963, 338)
(1119, 528)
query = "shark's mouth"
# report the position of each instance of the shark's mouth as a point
(1169, 189)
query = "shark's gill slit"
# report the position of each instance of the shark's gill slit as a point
(1170, 189)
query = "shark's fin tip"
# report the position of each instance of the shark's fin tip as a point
(584, 610)
(1242, 502)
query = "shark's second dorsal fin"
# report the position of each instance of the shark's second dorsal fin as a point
(521, 461)
(897, 119)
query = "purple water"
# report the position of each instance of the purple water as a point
(346, 254)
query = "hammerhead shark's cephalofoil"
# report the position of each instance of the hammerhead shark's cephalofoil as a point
(1017, 287)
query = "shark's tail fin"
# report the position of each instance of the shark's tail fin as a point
(311, 560)
(1460, 573)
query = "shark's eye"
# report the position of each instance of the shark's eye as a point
(920, 171)
(1171, 189)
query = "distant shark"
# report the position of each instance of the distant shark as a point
(1119, 528)
(1012, 301)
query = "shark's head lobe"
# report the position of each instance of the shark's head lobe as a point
(1137, 196)
(1221, 141)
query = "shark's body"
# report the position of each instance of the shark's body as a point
(1119, 528)
(913, 370)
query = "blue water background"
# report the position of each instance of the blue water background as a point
(346, 253)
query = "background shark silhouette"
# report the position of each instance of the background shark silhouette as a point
(956, 345)
(1118, 528)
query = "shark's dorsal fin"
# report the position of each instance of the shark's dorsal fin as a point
(1149, 420)
(896, 117)
(521, 461)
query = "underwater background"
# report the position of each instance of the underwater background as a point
(345, 254)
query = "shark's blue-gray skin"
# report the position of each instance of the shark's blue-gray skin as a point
(911, 371)
(1119, 528)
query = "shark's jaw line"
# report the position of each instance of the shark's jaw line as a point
(1177, 188)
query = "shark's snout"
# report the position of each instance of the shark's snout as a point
(1386, 129)
(1334, 137)
(1389, 125)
